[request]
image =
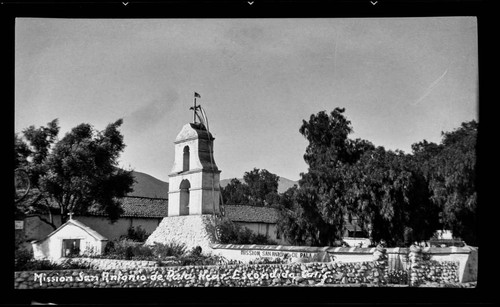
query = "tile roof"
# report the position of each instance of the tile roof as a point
(133, 206)
(264, 214)
(136, 206)
(252, 214)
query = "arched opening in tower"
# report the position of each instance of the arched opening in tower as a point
(184, 197)
(185, 160)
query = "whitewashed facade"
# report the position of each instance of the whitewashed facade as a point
(71, 239)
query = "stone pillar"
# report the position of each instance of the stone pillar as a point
(381, 265)
(415, 256)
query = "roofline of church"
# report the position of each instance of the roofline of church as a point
(147, 197)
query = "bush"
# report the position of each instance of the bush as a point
(141, 252)
(196, 251)
(136, 234)
(276, 260)
(232, 233)
(69, 264)
(122, 249)
(21, 259)
(42, 265)
(171, 249)
(262, 240)
(131, 250)
(193, 259)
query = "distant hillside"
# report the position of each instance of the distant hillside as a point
(283, 183)
(149, 186)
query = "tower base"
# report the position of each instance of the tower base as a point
(191, 230)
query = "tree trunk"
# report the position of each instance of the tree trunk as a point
(64, 216)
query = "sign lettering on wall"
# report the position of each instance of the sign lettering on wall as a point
(277, 254)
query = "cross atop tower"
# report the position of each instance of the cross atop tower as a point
(195, 108)
(70, 215)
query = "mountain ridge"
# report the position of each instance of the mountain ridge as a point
(149, 186)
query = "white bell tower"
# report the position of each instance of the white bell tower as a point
(194, 180)
(194, 190)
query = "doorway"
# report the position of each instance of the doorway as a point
(70, 247)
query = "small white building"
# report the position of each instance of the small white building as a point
(72, 238)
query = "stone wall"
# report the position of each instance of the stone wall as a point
(121, 273)
(192, 230)
(425, 270)
(463, 260)
(419, 270)
(308, 274)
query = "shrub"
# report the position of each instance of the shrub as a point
(40, 265)
(136, 234)
(196, 251)
(142, 252)
(244, 236)
(261, 260)
(69, 264)
(232, 233)
(131, 250)
(192, 259)
(168, 250)
(262, 240)
(21, 259)
(120, 249)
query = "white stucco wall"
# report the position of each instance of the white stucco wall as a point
(200, 193)
(51, 248)
(194, 161)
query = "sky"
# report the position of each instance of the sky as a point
(401, 80)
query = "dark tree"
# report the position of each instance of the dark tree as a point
(316, 212)
(262, 187)
(77, 173)
(387, 192)
(391, 198)
(235, 193)
(258, 188)
(451, 171)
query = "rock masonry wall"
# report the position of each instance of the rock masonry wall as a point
(372, 273)
(430, 271)
(137, 274)
(192, 230)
